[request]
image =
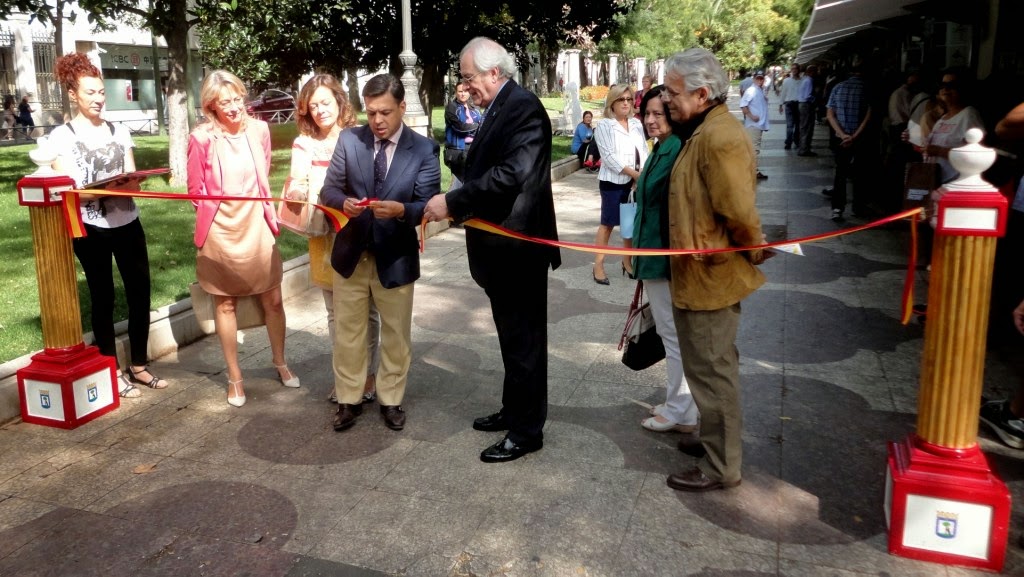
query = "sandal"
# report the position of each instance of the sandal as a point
(128, 391)
(235, 401)
(293, 382)
(154, 383)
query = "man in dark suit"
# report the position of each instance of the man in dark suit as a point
(508, 182)
(381, 176)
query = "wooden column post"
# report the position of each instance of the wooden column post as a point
(68, 383)
(942, 501)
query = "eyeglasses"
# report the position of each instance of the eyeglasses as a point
(227, 103)
(622, 99)
(949, 85)
(465, 78)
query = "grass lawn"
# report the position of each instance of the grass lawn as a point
(169, 227)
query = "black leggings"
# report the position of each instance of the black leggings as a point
(588, 149)
(127, 244)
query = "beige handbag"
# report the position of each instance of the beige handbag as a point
(299, 217)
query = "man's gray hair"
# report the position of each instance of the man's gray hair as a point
(700, 69)
(487, 54)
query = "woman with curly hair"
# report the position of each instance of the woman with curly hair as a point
(322, 113)
(91, 149)
(229, 155)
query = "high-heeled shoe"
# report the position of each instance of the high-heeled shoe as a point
(626, 271)
(293, 382)
(601, 281)
(235, 401)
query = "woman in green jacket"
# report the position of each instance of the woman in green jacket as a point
(650, 230)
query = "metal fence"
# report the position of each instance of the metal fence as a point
(47, 87)
(6, 62)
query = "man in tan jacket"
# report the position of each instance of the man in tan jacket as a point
(711, 206)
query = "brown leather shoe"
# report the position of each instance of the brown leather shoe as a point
(346, 416)
(394, 416)
(696, 481)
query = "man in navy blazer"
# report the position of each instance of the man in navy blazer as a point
(381, 176)
(508, 182)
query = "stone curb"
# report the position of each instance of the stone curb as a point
(175, 325)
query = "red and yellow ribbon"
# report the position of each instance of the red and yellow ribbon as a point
(76, 228)
(73, 220)
(908, 284)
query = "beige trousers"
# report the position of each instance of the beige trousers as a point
(351, 313)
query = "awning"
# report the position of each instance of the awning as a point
(833, 20)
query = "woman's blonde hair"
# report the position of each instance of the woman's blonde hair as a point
(615, 91)
(209, 94)
(304, 118)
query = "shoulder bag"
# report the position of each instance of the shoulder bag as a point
(640, 344)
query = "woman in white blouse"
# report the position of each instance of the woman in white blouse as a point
(620, 139)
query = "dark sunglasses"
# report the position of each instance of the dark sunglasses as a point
(949, 85)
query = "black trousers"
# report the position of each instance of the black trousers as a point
(126, 245)
(806, 129)
(519, 297)
(588, 149)
(850, 161)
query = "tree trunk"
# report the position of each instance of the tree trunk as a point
(549, 63)
(178, 87)
(431, 90)
(353, 89)
(58, 37)
(542, 60)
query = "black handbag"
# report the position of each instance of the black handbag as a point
(640, 344)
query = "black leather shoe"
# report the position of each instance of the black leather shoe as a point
(346, 416)
(505, 450)
(394, 416)
(490, 423)
(696, 481)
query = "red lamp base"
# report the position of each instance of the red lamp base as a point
(945, 505)
(68, 387)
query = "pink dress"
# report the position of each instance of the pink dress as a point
(239, 256)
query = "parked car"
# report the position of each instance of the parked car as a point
(271, 103)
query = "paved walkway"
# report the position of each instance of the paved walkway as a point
(179, 483)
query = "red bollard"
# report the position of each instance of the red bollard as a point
(68, 383)
(942, 501)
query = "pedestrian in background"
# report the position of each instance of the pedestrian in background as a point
(790, 104)
(754, 106)
(620, 138)
(461, 119)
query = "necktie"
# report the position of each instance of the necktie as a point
(380, 168)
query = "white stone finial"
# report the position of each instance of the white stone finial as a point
(43, 156)
(970, 160)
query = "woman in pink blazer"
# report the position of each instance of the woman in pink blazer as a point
(229, 155)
